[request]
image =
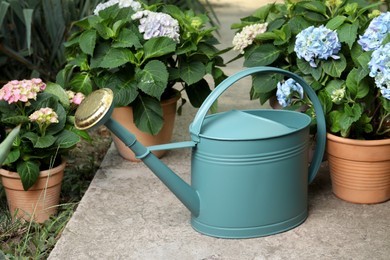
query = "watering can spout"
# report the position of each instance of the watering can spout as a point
(96, 110)
(183, 191)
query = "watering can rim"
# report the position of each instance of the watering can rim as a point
(262, 136)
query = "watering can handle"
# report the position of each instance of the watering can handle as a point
(224, 85)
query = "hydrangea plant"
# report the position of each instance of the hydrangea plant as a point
(43, 115)
(143, 53)
(339, 47)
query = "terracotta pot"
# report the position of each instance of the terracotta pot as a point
(40, 201)
(124, 115)
(359, 169)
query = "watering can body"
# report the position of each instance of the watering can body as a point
(252, 187)
(249, 170)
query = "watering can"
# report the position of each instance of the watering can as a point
(249, 169)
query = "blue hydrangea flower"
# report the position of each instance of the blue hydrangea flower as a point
(379, 66)
(154, 24)
(377, 30)
(317, 42)
(286, 90)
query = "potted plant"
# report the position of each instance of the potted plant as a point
(43, 116)
(145, 54)
(341, 49)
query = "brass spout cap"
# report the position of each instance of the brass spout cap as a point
(94, 109)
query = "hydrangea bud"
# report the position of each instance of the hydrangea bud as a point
(337, 95)
(44, 116)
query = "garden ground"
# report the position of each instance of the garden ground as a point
(127, 213)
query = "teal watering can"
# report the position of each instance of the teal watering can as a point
(249, 169)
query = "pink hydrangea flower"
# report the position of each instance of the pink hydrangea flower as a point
(75, 98)
(44, 116)
(23, 90)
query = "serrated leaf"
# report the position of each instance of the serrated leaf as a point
(81, 82)
(306, 69)
(159, 46)
(192, 72)
(153, 79)
(44, 141)
(15, 120)
(261, 55)
(115, 58)
(148, 115)
(334, 67)
(66, 139)
(127, 39)
(59, 92)
(28, 172)
(87, 41)
(264, 83)
(348, 33)
(355, 85)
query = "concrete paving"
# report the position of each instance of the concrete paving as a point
(127, 213)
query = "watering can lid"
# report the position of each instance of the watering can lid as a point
(240, 125)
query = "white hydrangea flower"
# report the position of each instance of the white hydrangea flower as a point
(154, 24)
(245, 38)
(136, 6)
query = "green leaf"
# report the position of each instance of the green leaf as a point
(15, 120)
(335, 22)
(348, 33)
(153, 79)
(355, 85)
(306, 69)
(81, 82)
(263, 11)
(351, 113)
(265, 83)
(115, 58)
(364, 59)
(334, 67)
(261, 55)
(28, 172)
(87, 41)
(12, 157)
(159, 46)
(148, 115)
(124, 96)
(315, 6)
(66, 139)
(39, 141)
(297, 24)
(6, 144)
(198, 92)
(127, 39)
(59, 92)
(192, 72)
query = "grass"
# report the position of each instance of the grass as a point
(30, 240)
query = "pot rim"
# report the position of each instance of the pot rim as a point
(42, 174)
(358, 142)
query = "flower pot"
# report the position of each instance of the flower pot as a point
(359, 169)
(40, 201)
(124, 115)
